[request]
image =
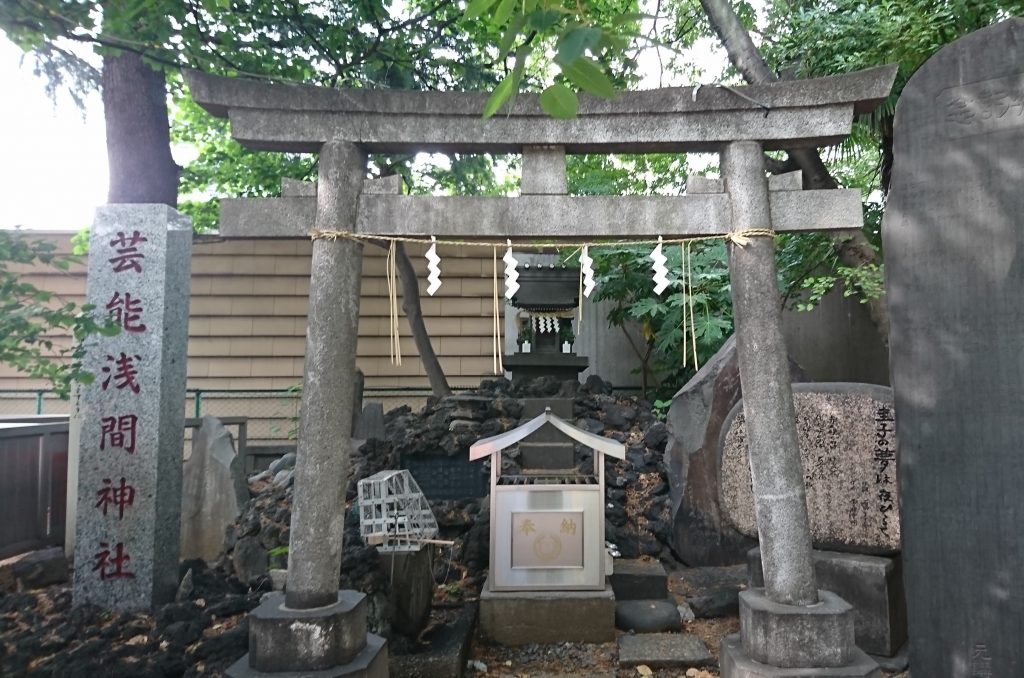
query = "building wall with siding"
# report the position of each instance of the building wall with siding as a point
(248, 315)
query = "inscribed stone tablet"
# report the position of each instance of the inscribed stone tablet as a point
(954, 257)
(848, 448)
(130, 451)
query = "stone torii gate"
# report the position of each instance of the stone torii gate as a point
(790, 623)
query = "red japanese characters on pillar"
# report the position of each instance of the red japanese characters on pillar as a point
(119, 426)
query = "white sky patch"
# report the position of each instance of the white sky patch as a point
(54, 167)
(54, 170)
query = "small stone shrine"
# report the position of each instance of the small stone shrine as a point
(548, 297)
(133, 418)
(954, 237)
(547, 534)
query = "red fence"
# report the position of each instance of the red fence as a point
(33, 485)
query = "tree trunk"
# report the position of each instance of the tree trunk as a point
(414, 314)
(744, 55)
(138, 136)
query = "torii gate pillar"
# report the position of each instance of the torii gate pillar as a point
(314, 627)
(776, 469)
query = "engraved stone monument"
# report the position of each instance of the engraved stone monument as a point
(954, 248)
(847, 439)
(132, 436)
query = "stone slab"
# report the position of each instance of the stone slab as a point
(637, 579)
(872, 584)
(35, 569)
(847, 441)
(700, 535)
(647, 616)
(447, 649)
(209, 501)
(523, 617)
(664, 651)
(954, 276)
(736, 664)
(371, 662)
(896, 663)
(132, 436)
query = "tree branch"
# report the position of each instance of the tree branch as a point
(744, 55)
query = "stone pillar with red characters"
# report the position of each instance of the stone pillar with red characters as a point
(132, 412)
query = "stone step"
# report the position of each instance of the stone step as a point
(639, 580)
(647, 616)
(664, 650)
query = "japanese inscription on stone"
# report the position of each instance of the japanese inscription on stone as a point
(981, 107)
(132, 411)
(847, 436)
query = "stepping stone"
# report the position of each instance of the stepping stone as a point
(647, 616)
(722, 602)
(639, 580)
(664, 650)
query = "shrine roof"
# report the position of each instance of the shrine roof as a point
(495, 444)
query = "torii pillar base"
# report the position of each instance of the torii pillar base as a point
(795, 641)
(320, 642)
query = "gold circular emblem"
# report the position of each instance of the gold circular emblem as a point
(547, 547)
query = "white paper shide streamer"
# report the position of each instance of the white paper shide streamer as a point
(434, 270)
(587, 269)
(511, 274)
(660, 271)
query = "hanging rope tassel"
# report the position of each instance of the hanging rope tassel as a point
(693, 322)
(686, 292)
(499, 368)
(396, 348)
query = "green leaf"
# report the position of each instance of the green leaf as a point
(503, 12)
(574, 42)
(477, 7)
(543, 19)
(509, 37)
(588, 76)
(559, 101)
(505, 89)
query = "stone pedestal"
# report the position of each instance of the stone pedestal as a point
(794, 640)
(523, 617)
(735, 663)
(328, 641)
(873, 585)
